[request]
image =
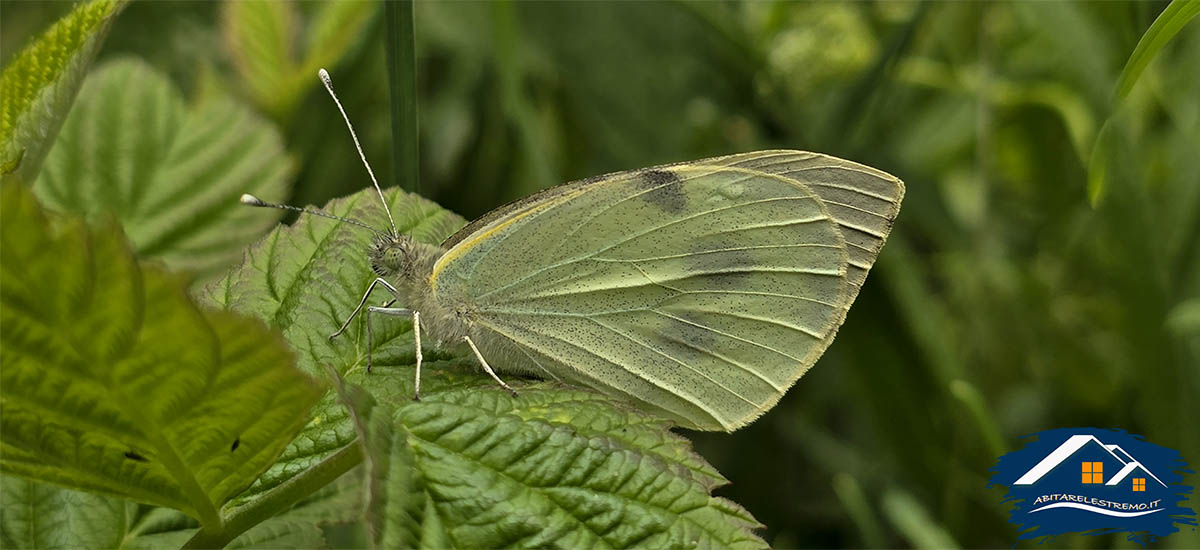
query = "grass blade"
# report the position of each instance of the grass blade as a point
(1165, 27)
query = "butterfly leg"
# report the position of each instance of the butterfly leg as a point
(416, 315)
(488, 367)
(361, 303)
(417, 346)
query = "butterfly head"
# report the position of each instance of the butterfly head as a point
(390, 254)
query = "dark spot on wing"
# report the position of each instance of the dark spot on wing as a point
(236, 441)
(667, 191)
(134, 456)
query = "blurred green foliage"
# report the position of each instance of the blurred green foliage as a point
(1003, 304)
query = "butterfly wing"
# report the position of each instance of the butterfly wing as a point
(701, 289)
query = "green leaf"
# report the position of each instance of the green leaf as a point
(40, 83)
(115, 382)
(36, 515)
(171, 172)
(465, 466)
(396, 502)
(337, 503)
(258, 36)
(335, 28)
(556, 466)
(304, 280)
(262, 40)
(1168, 23)
(281, 532)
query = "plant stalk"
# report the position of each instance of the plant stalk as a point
(402, 93)
(241, 519)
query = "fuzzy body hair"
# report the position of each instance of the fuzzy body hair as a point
(442, 323)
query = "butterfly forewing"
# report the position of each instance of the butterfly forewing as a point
(701, 289)
(862, 200)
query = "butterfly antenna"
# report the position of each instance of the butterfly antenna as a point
(251, 200)
(329, 86)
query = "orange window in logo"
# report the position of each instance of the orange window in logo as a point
(1093, 472)
(1139, 484)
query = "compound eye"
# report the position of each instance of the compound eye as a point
(393, 258)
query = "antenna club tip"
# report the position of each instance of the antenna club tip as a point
(324, 75)
(251, 200)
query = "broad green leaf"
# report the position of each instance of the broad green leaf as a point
(36, 515)
(171, 172)
(1168, 23)
(555, 466)
(396, 501)
(39, 84)
(115, 382)
(338, 503)
(586, 463)
(279, 532)
(259, 37)
(275, 67)
(334, 29)
(304, 280)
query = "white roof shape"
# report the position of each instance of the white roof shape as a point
(1117, 450)
(1073, 444)
(1128, 469)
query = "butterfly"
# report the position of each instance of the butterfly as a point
(700, 291)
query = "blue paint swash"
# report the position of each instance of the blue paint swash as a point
(1095, 481)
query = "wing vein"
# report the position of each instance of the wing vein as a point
(662, 283)
(787, 173)
(852, 207)
(716, 250)
(684, 395)
(535, 362)
(756, 374)
(854, 190)
(660, 302)
(630, 197)
(726, 334)
(533, 273)
(797, 328)
(870, 232)
(681, 363)
(783, 223)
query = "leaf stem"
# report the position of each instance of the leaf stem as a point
(241, 519)
(402, 93)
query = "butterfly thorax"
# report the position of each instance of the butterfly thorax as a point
(408, 264)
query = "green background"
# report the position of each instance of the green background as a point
(1004, 303)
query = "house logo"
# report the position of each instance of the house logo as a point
(1094, 481)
